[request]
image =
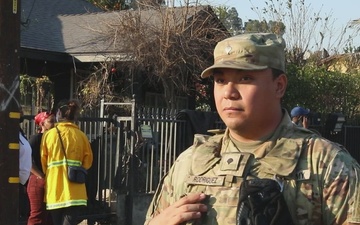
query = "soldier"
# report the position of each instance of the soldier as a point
(262, 169)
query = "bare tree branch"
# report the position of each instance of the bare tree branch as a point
(171, 45)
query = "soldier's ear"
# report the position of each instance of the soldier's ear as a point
(281, 84)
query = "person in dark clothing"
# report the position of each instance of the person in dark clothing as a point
(299, 116)
(35, 188)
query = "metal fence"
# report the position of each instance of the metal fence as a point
(126, 161)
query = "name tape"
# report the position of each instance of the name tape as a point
(202, 180)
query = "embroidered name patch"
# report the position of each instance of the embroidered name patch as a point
(202, 180)
(303, 175)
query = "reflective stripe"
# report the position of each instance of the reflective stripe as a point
(63, 162)
(13, 180)
(56, 163)
(74, 162)
(66, 204)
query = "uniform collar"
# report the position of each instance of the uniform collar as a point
(278, 154)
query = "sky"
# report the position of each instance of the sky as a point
(341, 12)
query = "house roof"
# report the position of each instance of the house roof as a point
(344, 63)
(76, 28)
(41, 29)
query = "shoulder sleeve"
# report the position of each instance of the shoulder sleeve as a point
(341, 190)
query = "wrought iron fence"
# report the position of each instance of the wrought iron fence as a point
(115, 170)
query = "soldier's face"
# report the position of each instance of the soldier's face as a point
(247, 101)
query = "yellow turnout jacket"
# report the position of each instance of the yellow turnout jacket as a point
(59, 192)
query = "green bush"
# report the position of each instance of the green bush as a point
(323, 91)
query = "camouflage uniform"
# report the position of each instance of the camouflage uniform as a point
(321, 183)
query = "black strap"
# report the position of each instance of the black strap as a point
(62, 144)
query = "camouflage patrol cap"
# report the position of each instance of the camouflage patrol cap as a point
(253, 51)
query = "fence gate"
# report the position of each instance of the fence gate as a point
(115, 159)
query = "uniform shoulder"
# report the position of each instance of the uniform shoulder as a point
(205, 144)
(297, 131)
(330, 149)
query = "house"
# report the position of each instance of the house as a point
(65, 39)
(43, 49)
(345, 63)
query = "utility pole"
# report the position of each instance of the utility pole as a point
(9, 111)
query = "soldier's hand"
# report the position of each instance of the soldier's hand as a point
(187, 208)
